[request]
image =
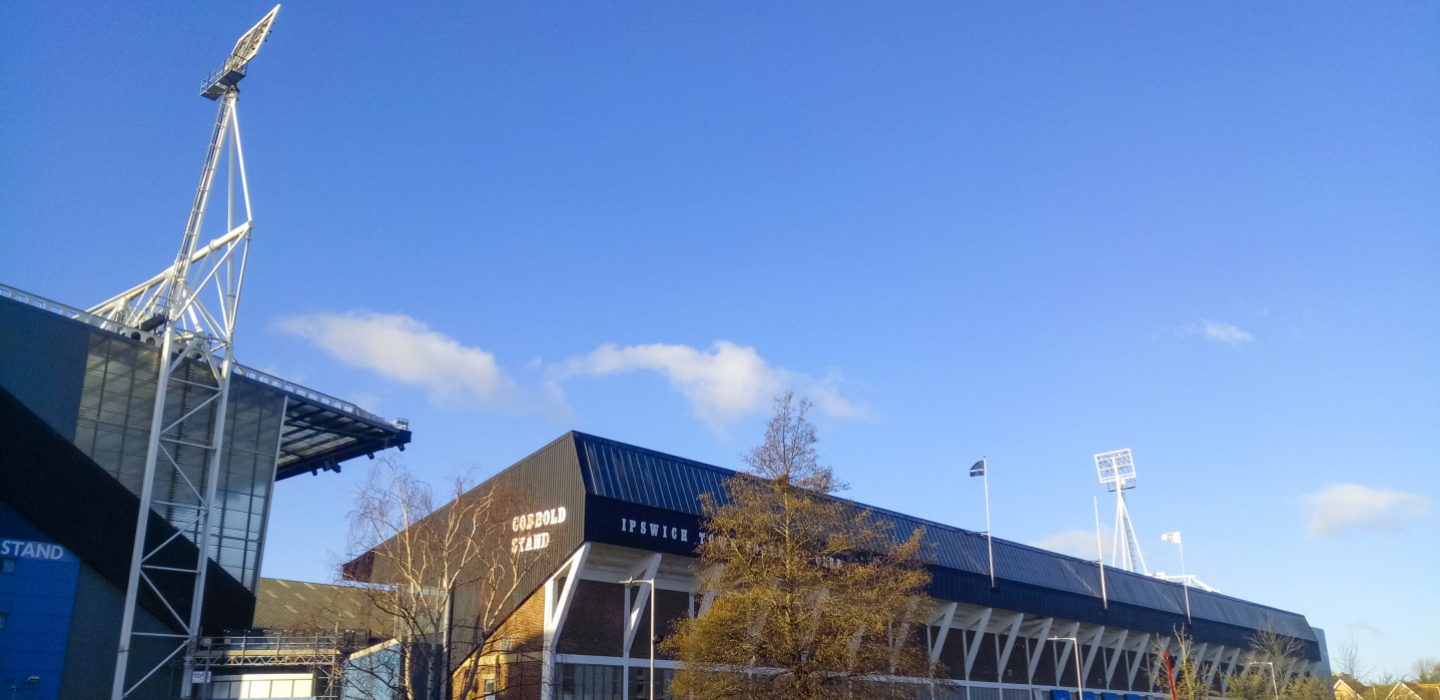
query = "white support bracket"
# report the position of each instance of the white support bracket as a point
(1009, 645)
(982, 623)
(1225, 677)
(1032, 658)
(1061, 658)
(1119, 651)
(713, 573)
(944, 615)
(1214, 666)
(1090, 655)
(1133, 665)
(1156, 660)
(557, 607)
(643, 569)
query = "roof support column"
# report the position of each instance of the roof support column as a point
(1033, 658)
(1060, 659)
(1134, 664)
(1009, 645)
(643, 569)
(944, 615)
(1214, 666)
(557, 606)
(1090, 656)
(982, 623)
(1162, 645)
(1225, 677)
(1119, 651)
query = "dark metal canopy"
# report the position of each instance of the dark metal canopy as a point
(320, 431)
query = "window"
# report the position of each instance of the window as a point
(489, 687)
(2, 620)
(7, 565)
(587, 682)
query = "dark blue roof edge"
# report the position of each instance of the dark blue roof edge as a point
(1110, 571)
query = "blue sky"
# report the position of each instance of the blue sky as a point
(1028, 231)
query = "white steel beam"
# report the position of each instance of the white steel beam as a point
(643, 569)
(557, 607)
(1009, 644)
(1133, 664)
(1214, 665)
(982, 623)
(1033, 657)
(1230, 668)
(944, 615)
(1090, 655)
(1118, 652)
(1072, 633)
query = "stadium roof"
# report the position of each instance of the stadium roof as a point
(627, 473)
(320, 432)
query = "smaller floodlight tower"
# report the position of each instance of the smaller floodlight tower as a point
(192, 307)
(1117, 472)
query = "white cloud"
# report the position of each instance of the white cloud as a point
(406, 350)
(1226, 333)
(1351, 506)
(1079, 543)
(723, 383)
(1214, 330)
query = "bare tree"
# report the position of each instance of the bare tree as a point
(417, 562)
(1270, 654)
(1347, 657)
(813, 598)
(1426, 670)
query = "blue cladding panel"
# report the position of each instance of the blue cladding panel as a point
(636, 475)
(37, 598)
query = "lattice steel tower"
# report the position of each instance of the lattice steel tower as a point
(1117, 472)
(197, 356)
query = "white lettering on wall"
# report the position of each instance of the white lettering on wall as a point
(544, 518)
(31, 550)
(656, 530)
(530, 521)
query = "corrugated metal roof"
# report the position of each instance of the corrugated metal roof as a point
(637, 475)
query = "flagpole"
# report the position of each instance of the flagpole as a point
(989, 536)
(1186, 578)
(1100, 552)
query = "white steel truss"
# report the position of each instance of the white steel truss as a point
(192, 305)
(557, 607)
(1126, 550)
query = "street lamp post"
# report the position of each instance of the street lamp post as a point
(651, 582)
(1079, 680)
(1273, 685)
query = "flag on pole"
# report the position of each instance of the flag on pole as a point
(978, 468)
(1172, 537)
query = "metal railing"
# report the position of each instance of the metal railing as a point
(213, 76)
(277, 645)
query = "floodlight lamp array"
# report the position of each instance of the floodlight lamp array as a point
(228, 74)
(1116, 469)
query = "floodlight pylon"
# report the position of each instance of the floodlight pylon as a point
(196, 360)
(1117, 472)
